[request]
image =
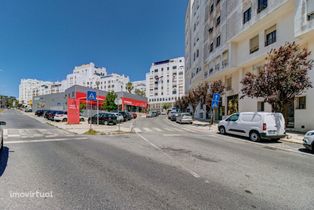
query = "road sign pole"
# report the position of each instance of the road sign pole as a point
(97, 113)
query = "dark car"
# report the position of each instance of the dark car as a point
(40, 113)
(126, 115)
(104, 119)
(47, 113)
(173, 116)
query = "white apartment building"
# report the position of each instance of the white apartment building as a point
(226, 39)
(165, 82)
(87, 75)
(32, 87)
(139, 85)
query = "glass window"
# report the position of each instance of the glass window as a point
(218, 21)
(247, 15)
(261, 5)
(301, 102)
(233, 117)
(218, 41)
(270, 35)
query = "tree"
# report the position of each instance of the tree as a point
(193, 99)
(166, 106)
(140, 92)
(109, 103)
(82, 106)
(285, 76)
(129, 87)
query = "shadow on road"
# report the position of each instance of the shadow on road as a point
(4, 156)
(262, 141)
(306, 151)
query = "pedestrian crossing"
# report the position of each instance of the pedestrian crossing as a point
(35, 133)
(164, 130)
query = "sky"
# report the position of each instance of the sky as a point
(45, 39)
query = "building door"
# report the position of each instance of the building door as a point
(232, 104)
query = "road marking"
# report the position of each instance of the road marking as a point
(137, 130)
(158, 129)
(42, 140)
(172, 135)
(5, 132)
(13, 135)
(147, 129)
(193, 173)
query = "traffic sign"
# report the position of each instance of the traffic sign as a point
(215, 101)
(91, 96)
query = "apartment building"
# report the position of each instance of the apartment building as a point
(165, 82)
(227, 39)
(32, 87)
(87, 75)
(139, 85)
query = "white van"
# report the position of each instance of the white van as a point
(255, 125)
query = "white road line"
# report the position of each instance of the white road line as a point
(193, 173)
(137, 130)
(158, 129)
(13, 135)
(41, 140)
(5, 132)
(147, 129)
(172, 135)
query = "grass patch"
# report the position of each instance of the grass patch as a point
(90, 132)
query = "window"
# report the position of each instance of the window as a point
(218, 21)
(197, 53)
(247, 15)
(233, 118)
(261, 5)
(218, 41)
(229, 83)
(260, 106)
(254, 44)
(174, 67)
(301, 102)
(210, 30)
(211, 8)
(211, 47)
(310, 9)
(217, 2)
(270, 35)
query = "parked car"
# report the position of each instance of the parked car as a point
(174, 115)
(1, 134)
(134, 115)
(119, 117)
(63, 117)
(170, 114)
(308, 140)
(39, 113)
(129, 116)
(104, 119)
(255, 125)
(47, 113)
(52, 114)
(124, 114)
(151, 114)
(28, 110)
(184, 118)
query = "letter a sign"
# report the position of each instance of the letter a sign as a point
(91, 96)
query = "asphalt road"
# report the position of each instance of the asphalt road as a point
(163, 166)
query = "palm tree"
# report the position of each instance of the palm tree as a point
(129, 87)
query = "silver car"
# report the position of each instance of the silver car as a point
(308, 140)
(1, 134)
(184, 118)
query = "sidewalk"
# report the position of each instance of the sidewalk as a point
(83, 127)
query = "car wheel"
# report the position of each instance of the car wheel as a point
(82, 120)
(254, 136)
(1, 146)
(311, 151)
(65, 120)
(222, 130)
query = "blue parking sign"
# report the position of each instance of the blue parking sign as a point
(215, 101)
(91, 96)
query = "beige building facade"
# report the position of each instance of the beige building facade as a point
(226, 39)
